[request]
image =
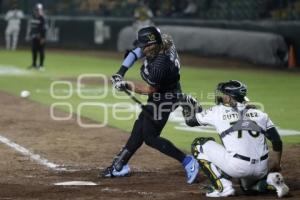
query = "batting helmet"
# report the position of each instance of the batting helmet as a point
(147, 36)
(234, 89)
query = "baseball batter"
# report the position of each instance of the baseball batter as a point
(160, 71)
(243, 130)
(13, 18)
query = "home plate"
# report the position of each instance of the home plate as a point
(76, 183)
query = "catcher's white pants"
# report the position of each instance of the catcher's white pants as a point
(246, 171)
(11, 37)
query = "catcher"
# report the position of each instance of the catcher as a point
(244, 153)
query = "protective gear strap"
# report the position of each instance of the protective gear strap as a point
(273, 135)
(199, 141)
(243, 124)
(132, 56)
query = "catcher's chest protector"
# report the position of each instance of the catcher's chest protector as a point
(243, 124)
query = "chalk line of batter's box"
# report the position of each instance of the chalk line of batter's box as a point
(32, 156)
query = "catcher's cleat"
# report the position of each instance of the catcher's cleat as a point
(191, 167)
(111, 172)
(276, 180)
(227, 190)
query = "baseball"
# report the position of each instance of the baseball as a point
(24, 93)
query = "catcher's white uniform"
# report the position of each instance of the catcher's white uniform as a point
(245, 153)
(13, 18)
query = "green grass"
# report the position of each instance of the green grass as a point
(277, 91)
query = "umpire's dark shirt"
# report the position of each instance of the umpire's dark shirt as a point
(37, 27)
(162, 71)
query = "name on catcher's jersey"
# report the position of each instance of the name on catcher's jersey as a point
(247, 143)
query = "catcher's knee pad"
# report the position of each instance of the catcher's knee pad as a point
(213, 173)
(197, 145)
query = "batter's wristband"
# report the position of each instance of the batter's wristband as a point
(122, 71)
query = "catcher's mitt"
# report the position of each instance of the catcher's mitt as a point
(189, 106)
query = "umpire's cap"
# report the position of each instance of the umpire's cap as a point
(147, 36)
(235, 89)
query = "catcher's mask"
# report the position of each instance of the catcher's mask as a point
(232, 88)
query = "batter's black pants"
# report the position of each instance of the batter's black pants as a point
(144, 130)
(37, 48)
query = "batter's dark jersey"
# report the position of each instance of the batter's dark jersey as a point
(162, 71)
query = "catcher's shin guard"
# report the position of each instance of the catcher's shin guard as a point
(214, 174)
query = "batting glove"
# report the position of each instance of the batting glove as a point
(121, 85)
(116, 78)
(118, 82)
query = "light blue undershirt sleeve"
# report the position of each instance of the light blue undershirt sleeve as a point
(132, 57)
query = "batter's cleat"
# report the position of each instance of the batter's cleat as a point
(191, 167)
(225, 192)
(276, 180)
(111, 172)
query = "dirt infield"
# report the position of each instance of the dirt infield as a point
(83, 152)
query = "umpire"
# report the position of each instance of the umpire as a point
(38, 36)
(160, 71)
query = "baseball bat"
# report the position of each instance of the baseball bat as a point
(146, 112)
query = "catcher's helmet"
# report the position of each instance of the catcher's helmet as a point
(235, 89)
(147, 36)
